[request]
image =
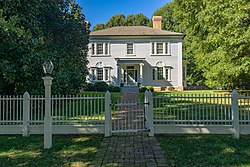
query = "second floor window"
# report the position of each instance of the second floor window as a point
(160, 48)
(130, 48)
(100, 49)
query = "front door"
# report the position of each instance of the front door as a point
(130, 77)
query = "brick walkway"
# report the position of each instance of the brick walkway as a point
(134, 149)
(130, 150)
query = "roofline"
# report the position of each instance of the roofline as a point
(138, 36)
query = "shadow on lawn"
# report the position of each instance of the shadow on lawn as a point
(67, 150)
(206, 150)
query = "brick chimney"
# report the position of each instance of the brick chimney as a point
(157, 22)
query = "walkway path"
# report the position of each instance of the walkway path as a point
(130, 150)
(134, 149)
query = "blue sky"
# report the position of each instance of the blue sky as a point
(100, 11)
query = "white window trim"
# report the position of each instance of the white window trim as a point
(95, 77)
(104, 49)
(164, 49)
(164, 73)
(133, 54)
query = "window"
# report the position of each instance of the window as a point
(153, 48)
(130, 48)
(153, 73)
(160, 73)
(106, 74)
(93, 74)
(100, 74)
(160, 48)
(93, 49)
(167, 74)
(100, 49)
(106, 49)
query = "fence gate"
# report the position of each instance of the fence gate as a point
(129, 116)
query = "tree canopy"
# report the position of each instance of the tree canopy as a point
(33, 31)
(217, 39)
(121, 20)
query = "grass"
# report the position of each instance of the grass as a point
(67, 150)
(206, 150)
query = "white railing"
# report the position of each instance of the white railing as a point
(192, 109)
(11, 108)
(25, 114)
(244, 110)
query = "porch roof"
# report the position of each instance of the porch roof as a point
(130, 60)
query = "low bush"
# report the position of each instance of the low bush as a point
(171, 88)
(144, 88)
(101, 87)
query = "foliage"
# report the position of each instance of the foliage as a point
(217, 39)
(121, 20)
(205, 150)
(101, 87)
(33, 31)
(144, 88)
(171, 88)
(67, 150)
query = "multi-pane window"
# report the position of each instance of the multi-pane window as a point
(153, 48)
(167, 74)
(100, 49)
(153, 73)
(106, 74)
(106, 48)
(99, 74)
(93, 49)
(130, 48)
(93, 74)
(159, 48)
(160, 73)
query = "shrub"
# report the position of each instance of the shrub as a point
(113, 88)
(150, 88)
(89, 87)
(101, 86)
(171, 88)
(142, 88)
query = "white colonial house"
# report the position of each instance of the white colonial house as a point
(137, 55)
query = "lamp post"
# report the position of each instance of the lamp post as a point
(47, 68)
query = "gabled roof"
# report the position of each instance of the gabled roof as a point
(134, 31)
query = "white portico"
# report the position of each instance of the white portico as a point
(130, 71)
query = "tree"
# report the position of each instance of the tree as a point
(121, 20)
(31, 32)
(99, 27)
(217, 39)
(116, 20)
(136, 20)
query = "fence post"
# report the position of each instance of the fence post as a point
(235, 114)
(26, 114)
(108, 122)
(47, 117)
(150, 114)
(146, 108)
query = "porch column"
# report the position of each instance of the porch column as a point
(118, 74)
(141, 73)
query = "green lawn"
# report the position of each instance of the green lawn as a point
(205, 150)
(67, 150)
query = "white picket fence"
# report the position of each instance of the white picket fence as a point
(71, 114)
(203, 114)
